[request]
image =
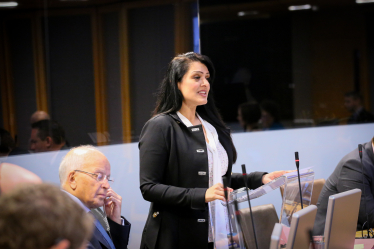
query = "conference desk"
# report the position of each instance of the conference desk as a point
(363, 243)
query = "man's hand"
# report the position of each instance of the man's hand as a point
(113, 205)
(271, 176)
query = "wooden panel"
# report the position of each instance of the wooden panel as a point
(39, 65)
(125, 76)
(335, 37)
(7, 92)
(183, 27)
(99, 76)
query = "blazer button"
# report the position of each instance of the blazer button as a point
(155, 214)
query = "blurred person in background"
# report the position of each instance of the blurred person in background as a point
(41, 216)
(270, 116)
(249, 115)
(38, 116)
(47, 135)
(12, 175)
(8, 145)
(353, 102)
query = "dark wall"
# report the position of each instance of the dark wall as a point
(370, 43)
(113, 77)
(22, 61)
(1, 113)
(72, 77)
(151, 49)
(263, 47)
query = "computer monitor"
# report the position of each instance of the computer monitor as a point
(275, 236)
(301, 224)
(341, 219)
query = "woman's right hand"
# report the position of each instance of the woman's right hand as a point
(215, 193)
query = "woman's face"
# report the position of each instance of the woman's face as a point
(194, 85)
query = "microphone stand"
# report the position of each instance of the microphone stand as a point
(298, 177)
(249, 202)
(238, 217)
(228, 210)
(364, 192)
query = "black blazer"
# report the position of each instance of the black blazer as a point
(174, 177)
(346, 176)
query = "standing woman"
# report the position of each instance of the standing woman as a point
(185, 150)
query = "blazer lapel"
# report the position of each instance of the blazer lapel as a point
(101, 235)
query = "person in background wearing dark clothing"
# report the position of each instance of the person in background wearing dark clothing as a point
(270, 116)
(346, 176)
(8, 145)
(47, 135)
(353, 102)
(248, 116)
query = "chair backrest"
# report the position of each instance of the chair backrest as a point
(301, 224)
(275, 236)
(264, 217)
(341, 219)
(317, 188)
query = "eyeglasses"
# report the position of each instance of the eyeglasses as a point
(98, 176)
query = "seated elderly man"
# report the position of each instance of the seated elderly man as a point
(42, 216)
(85, 176)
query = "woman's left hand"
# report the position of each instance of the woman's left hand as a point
(271, 176)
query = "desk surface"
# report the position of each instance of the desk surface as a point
(368, 243)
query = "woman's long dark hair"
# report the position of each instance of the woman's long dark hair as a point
(169, 97)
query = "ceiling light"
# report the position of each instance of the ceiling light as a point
(364, 1)
(300, 7)
(8, 4)
(247, 13)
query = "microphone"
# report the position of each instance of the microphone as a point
(298, 177)
(360, 151)
(237, 214)
(249, 203)
(228, 210)
(363, 187)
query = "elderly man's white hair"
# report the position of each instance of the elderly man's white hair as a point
(75, 159)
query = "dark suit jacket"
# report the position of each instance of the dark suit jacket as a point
(120, 236)
(362, 116)
(346, 176)
(174, 177)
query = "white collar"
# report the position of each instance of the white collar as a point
(184, 119)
